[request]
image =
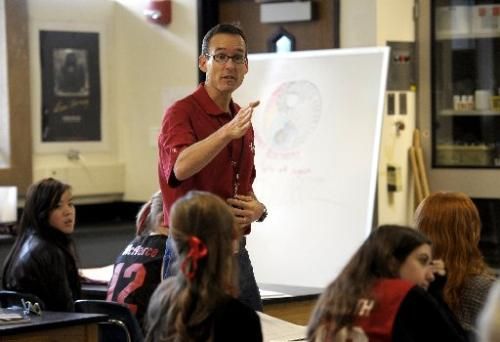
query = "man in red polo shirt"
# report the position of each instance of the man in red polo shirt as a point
(206, 143)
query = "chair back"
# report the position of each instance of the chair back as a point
(113, 331)
(118, 315)
(14, 298)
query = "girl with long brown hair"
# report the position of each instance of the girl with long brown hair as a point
(199, 303)
(452, 222)
(380, 295)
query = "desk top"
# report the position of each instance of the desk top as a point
(276, 293)
(51, 319)
(270, 293)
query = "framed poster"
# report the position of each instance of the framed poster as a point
(70, 86)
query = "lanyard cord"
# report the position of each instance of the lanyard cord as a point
(235, 156)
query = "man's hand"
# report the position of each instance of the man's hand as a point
(196, 156)
(246, 209)
(238, 126)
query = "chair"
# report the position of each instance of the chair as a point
(121, 325)
(14, 298)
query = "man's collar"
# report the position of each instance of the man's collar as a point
(209, 106)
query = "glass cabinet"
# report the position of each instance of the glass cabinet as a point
(465, 83)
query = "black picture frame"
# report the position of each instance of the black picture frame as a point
(71, 86)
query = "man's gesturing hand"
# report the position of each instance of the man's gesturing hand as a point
(238, 126)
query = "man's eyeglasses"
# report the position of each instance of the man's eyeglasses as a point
(223, 58)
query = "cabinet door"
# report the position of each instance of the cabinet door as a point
(465, 51)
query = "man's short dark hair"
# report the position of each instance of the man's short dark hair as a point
(222, 28)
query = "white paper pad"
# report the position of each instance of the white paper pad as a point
(278, 330)
(272, 294)
(99, 274)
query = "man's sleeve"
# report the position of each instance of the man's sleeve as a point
(176, 134)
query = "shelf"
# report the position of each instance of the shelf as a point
(451, 112)
(467, 21)
(464, 51)
(479, 35)
(464, 155)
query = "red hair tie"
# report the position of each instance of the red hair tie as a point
(197, 250)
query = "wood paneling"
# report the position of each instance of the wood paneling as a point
(20, 171)
(319, 33)
(77, 333)
(297, 312)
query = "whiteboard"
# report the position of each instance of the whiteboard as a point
(317, 137)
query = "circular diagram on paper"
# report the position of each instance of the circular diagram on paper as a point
(290, 115)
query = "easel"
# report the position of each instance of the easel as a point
(418, 168)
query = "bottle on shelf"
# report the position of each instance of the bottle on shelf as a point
(482, 99)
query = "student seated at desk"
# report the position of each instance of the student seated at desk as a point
(452, 222)
(380, 295)
(42, 260)
(137, 270)
(199, 303)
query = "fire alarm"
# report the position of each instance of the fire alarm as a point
(159, 11)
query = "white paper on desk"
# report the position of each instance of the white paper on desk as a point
(278, 330)
(8, 316)
(98, 274)
(272, 294)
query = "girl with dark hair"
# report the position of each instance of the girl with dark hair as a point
(137, 270)
(452, 222)
(380, 295)
(42, 260)
(198, 303)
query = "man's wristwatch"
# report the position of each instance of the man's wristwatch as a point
(264, 214)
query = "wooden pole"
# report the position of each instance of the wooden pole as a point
(421, 163)
(416, 175)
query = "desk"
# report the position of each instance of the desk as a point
(270, 293)
(54, 327)
(290, 303)
(294, 306)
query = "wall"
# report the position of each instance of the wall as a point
(395, 21)
(358, 23)
(373, 22)
(143, 68)
(154, 66)
(370, 23)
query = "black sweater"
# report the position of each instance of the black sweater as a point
(422, 318)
